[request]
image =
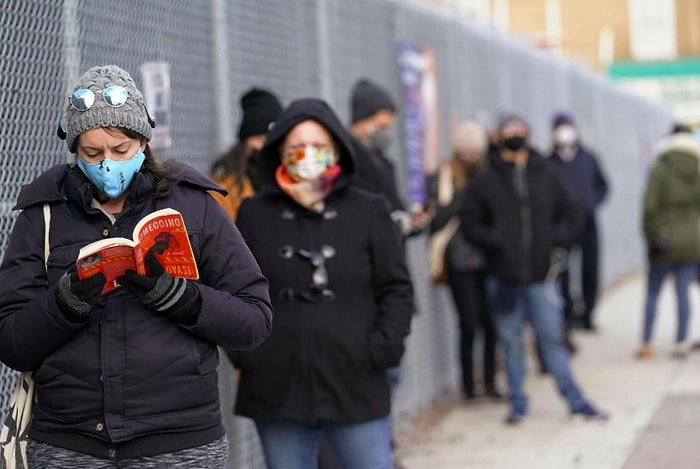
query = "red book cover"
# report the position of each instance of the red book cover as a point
(163, 232)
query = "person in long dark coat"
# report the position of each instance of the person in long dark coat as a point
(342, 295)
(580, 169)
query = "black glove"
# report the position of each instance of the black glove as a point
(75, 297)
(162, 292)
(658, 244)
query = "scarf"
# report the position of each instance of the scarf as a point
(308, 194)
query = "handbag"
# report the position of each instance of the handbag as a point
(13, 436)
(468, 257)
(14, 432)
(437, 245)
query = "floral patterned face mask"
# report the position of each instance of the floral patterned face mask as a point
(307, 163)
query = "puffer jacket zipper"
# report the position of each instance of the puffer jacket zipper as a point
(523, 192)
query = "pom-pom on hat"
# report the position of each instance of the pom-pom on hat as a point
(368, 98)
(131, 115)
(260, 109)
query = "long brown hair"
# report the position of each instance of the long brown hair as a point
(233, 162)
(165, 174)
(462, 171)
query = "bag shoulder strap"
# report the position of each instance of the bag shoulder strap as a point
(445, 191)
(47, 227)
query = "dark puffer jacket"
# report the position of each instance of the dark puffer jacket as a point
(327, 354)
(127, 381)
(518, 229)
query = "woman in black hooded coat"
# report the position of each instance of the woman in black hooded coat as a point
(342, 296)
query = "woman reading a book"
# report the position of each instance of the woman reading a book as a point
(342, 295)
(124, 376)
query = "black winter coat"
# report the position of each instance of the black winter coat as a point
(518, 230)
(375, 173)
(327, 354)
(584, 176)
(127, 381)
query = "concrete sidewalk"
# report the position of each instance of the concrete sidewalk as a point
(655, 404)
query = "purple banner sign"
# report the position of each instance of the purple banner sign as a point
(420, 117)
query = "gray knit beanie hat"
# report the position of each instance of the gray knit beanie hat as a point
(131, 115)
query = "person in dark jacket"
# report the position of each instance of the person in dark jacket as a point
(237, 169)
(127, 377)
(671, 232)
(373, 116)
(342, 295)
(464, 262)
(582, 173)
(520, 212)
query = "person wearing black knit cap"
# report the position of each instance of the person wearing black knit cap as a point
(236, 170)
(373, 115)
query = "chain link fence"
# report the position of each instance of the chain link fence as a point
(217, 49)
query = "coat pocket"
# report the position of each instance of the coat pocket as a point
(205, 356)
(60, 258)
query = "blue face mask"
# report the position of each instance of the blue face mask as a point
(112, 177)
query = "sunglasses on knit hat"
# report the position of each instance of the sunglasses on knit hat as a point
(83, 99)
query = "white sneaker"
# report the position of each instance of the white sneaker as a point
(680, 350)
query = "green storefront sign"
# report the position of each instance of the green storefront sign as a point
(675, 84)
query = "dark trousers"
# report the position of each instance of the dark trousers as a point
(588, 244)
(469, 294)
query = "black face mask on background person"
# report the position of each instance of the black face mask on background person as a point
(514, 143)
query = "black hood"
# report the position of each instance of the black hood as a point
(299, 111)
